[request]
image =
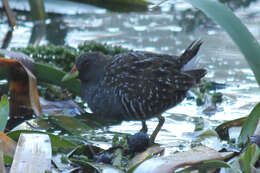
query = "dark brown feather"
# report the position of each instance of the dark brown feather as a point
(136, 85)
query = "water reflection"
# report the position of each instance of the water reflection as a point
(7, 39)
(56, 31)
(37, 33)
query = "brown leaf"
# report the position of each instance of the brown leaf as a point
(23, 86)
(33, 92)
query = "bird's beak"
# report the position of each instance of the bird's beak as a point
(71, 75)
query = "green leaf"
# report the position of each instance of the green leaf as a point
(246, 158)
(71, 125)
(4, 112)
(250, 124)
(56, 141)
(246, 42)
(211, 164)
(49, 74)
(249, 158)
(215, 164)
(255, 154)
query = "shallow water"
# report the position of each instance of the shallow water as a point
(162, 30)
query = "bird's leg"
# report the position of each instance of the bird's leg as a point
(144, 127)
(157, 129)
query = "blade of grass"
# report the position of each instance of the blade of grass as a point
(211, 164)
(249, 157)
(4, 112)
(250, 125)
(246, 42)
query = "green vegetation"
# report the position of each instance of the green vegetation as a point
(64, 57)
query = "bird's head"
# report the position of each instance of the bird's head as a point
(88, 67)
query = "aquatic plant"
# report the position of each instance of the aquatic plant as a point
(239, 33)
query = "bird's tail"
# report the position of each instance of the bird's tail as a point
(196, 74)
(190, 52)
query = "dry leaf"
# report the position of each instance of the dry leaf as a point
(169, 164)
(33, 154)
(23, 85)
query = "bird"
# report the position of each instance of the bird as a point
(136, 85)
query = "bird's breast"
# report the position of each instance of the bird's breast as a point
(103, 101)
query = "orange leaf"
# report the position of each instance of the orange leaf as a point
(23, 85)
(4, 62)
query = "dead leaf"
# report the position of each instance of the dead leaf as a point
(169, 164)
(33, 154)
(33, 92)
(23, 83)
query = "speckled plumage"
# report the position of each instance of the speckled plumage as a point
(136, 85)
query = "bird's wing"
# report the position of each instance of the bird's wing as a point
(146, 80)
(147, 71)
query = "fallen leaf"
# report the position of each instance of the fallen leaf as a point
(169, 164)
(33, 154)
(23, 83)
